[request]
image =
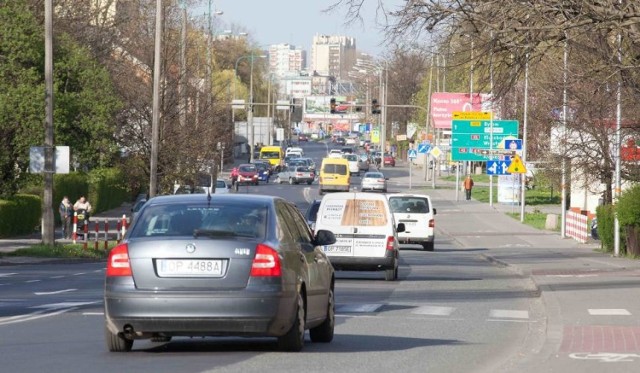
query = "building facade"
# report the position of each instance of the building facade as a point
(286, 59)
(333, 56)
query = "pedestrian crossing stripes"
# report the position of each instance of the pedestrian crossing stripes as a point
(609, 312)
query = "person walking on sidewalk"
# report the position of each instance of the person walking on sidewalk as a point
(468, 185)
(66, 211)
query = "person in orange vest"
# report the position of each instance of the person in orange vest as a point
(468, 185)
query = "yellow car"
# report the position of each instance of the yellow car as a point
(334, 175)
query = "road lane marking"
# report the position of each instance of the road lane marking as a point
(79, 273)
(54, 292)
(54, 277)
(8, 274)
(508, 314)
(93, 313)
(358, 308)
(433, 311)
(32, 281)
(609, 312)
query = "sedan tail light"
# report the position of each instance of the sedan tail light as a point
(266, 262)
(381, 180)
(118, 263)
(390, 242)
(432, 223)
(299, 174)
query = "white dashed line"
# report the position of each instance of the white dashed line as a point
(358, 308)
(609, 312)
(54, 292)
(32, 281)
(7, 274)
(508, 314)
(433, 311)
(80, 273)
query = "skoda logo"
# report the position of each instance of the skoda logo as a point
(191, 248)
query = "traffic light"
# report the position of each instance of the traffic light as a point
(375, 107)
(332, 104)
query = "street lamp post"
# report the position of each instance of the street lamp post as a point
(250, 107)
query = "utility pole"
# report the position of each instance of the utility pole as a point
(48, 228)
(153, 182)
(182, 84)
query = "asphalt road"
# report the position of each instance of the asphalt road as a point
(495, 296)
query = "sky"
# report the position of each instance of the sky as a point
(296, 22)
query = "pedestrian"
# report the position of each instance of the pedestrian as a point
(468, 185)
(82, 204)
(66, 211)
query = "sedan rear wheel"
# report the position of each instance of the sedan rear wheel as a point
(293, 341)
(278, 180)
(117, 342)
(324, 332)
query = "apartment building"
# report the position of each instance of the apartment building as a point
(286, 59)
(333, 55)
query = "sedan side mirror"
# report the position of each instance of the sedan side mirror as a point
(400, 228)
(434, 211)
(324, 237)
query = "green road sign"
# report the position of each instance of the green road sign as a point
(471, 139)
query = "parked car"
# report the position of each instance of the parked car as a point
(296, 175)
(372, 181)
(366, 232)
(190, 189)
(136, 207)
(229, 265)
(418, 215)
(389, 160)
(222, 187)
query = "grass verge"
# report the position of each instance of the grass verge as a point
(63, 251)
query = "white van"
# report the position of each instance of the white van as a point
(418, 215)
(365, 230)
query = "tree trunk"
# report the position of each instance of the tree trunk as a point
(633, 240)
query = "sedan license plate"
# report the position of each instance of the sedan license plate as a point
(190, 268)
(337, 249)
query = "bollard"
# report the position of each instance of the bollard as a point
(124, 224)
(97, 230)
(106, 234)
(86, 235)
(74, 235)
(118, 224)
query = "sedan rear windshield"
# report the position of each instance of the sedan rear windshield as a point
(409, 204)
(212, 221)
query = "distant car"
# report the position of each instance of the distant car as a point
(221, 187)
(351, 141)
(190, 189)
(266, 163)
(309, 163)
(353, 163)
(374, 181)
(291, 157)
(296, 175)
(245, 174)
(230, 265)
(389, 160)
(418, 215)
(136, 208)
(294, 150)
(303, 137)
(347, 150)
(363, 162)
(335, 153)
(312, 213)
(263, 171)
(341, 141)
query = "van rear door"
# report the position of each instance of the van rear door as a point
(359, 222)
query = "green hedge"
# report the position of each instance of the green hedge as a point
(605, 215)
(107, 189)
(629, 216)
(19, 215)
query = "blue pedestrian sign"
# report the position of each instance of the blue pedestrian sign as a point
(413, 154)
(423, 148)
(513, 144)
(498, 167)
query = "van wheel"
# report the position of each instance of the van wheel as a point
(428, 246)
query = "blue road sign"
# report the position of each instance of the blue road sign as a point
(513, 144)
(423, 148)
(413, 154)
(498, 167)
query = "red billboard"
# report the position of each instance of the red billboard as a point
(443, 104)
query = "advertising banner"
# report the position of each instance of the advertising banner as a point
(443, 104)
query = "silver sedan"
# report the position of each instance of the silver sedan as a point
(219, 265)
(374, 181)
